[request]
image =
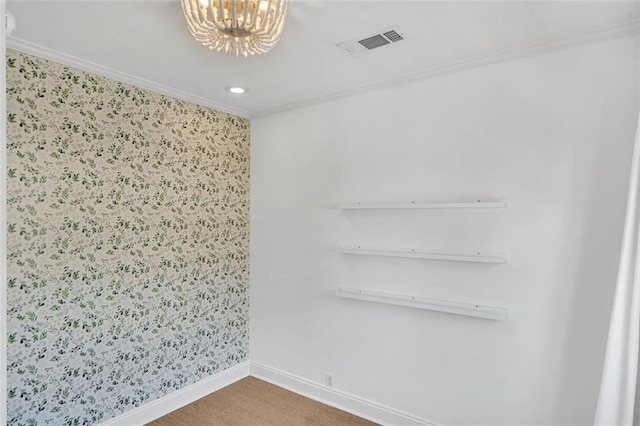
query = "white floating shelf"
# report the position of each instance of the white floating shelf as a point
(458, 308)
(478, 204)
(426, 254)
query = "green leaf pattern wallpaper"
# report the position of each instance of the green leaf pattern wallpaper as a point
(128, 244)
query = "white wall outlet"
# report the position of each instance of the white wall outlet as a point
(328, 378)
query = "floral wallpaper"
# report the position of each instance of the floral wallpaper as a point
(128, 219)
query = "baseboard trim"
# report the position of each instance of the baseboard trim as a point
(342, 400)
(168, 403)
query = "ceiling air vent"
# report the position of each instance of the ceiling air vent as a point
(393, 35)
(373, 42)
(387, 36)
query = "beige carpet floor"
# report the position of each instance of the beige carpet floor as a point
(253, 402)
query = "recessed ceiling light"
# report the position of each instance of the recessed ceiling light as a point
(236, 90)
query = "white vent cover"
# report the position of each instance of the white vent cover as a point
(382, 38)
(9, 23)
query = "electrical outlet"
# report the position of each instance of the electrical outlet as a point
(329, 379)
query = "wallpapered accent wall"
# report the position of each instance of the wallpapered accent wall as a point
(128, 244)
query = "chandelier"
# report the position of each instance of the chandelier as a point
(240, 27)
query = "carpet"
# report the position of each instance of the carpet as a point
(253, 402)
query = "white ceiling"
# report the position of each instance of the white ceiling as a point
(149, 40)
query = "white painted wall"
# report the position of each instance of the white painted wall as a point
(553, 133)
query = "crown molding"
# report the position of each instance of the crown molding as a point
(618, 30)
(122, 77)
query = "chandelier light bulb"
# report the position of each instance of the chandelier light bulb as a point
(238, 27)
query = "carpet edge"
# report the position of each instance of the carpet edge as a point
(159, 407)
(344, 401)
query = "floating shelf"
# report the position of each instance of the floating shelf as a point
(478, 204)
(458, 308)
(426, 254)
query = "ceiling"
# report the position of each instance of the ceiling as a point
(148, 42)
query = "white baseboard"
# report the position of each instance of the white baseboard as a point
(168, 403)
(342, 400)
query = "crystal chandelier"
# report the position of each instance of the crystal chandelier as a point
(240, 27)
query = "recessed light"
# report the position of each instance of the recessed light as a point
(236, 90)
